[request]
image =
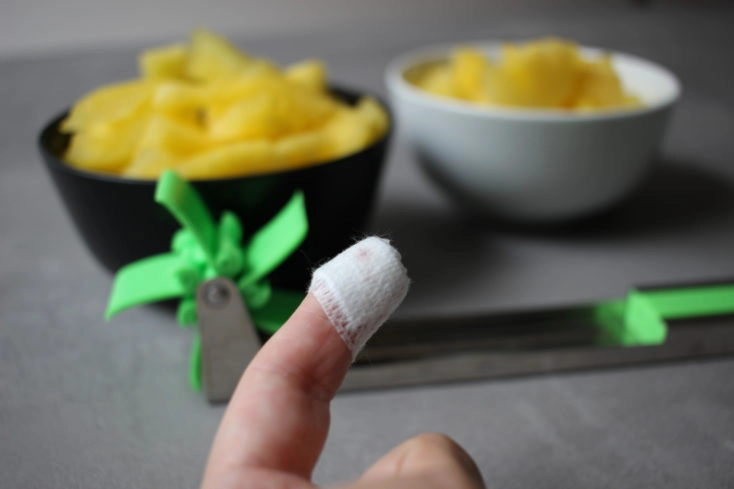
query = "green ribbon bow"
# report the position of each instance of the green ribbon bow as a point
(204, 249)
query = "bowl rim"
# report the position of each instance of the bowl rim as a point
(52, 127)
(397, 85)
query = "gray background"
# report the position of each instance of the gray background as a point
(85, 403)
(37, 26)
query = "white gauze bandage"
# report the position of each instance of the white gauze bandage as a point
(360, 288)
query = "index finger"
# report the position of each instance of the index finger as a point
(278, 416)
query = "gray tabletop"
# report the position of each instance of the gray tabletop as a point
(85, 403)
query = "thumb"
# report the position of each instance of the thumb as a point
(431, 460)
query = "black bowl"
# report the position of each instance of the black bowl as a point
(120, 222)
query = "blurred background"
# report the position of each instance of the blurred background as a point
(33, 26)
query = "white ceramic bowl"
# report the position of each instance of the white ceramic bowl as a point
(533, 165)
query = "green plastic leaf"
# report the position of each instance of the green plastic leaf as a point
(276, 240)
(182, 200)
(148, 280)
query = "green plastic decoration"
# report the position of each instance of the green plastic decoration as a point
(640, 318)
(204, 249)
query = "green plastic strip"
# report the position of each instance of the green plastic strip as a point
(148, 280)
(639, 319)
(276, 240)
(195, 372)
(181, 200)
(693, 301)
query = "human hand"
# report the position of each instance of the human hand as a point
(277, 420)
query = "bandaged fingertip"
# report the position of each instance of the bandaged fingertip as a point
(360, 288)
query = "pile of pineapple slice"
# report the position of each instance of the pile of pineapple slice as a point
(543, 74)
(208, 110)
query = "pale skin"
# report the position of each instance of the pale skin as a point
(275, 426)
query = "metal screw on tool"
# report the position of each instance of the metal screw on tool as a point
(216, 294)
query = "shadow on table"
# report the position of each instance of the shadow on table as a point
(677, 197)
